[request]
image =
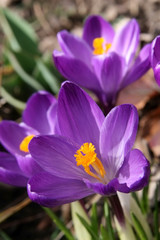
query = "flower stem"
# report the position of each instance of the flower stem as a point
(117, 209)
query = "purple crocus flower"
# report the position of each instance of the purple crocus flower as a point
(102, 61)
(155, 58)
(39, 117)
(93, 154)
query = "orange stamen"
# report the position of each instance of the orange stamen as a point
(99, 47)
(86, 156)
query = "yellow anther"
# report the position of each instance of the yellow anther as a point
(100, 47)
(86, 156)
(25, 142)
(108, 46)
(98, 51)
(97, 42)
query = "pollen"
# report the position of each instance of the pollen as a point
(100, 47)
(25, 142)
(87, 157)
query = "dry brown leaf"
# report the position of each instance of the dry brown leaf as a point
(10, 211)
(139, 92)
(150, 129)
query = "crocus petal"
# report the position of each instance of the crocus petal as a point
(97, 63)
(52, 119)
(132, 176)
(73, 46)
(126, 40)
(134, 173)
(157, 73)
(79, 117)
(55, 155)
(35, 114)
(155, 51)
(51, 191)
(27, 165)
(155, 58)
(103, 189)
(10, 172)
(117, 137)
(96, 27)
(12, 134)
(76, 70)
(111, 76)
(139, 68)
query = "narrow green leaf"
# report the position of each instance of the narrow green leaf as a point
(108, 221)
(54, 234)
(80, 230)
(104, 233)
(4, 236)
(138, 228)
(144, 201)
(17, 88)
(156, 215)
(94, 219)
(141, 218)
(11, 100)
(20, 71)
(88, 227)
(19, 32)
(48, 77)
(27, 62)
(59, 223)
(134, 195)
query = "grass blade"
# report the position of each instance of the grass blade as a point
(20, 71)
(136, 198)
(59, 223)
(104, 233)
(156, 216)
(108, 221)
(94, 219)
(11, 100)
(144, 202)
(138, 227)
(48, 77)
(80, 231)
(4, 236)
(89, 228)
(19, 32)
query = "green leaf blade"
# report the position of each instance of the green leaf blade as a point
(19, 32)
(156, 216)
(108, 221)
(59, 223)
(94, 219)
(138, 227)
(88, 227)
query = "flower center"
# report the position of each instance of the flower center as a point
(25, 142)
(100, 47)
(86, 156)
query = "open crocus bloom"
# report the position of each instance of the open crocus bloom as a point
(155, 58)
(102, 61)
(93, 154)
(39, 117)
